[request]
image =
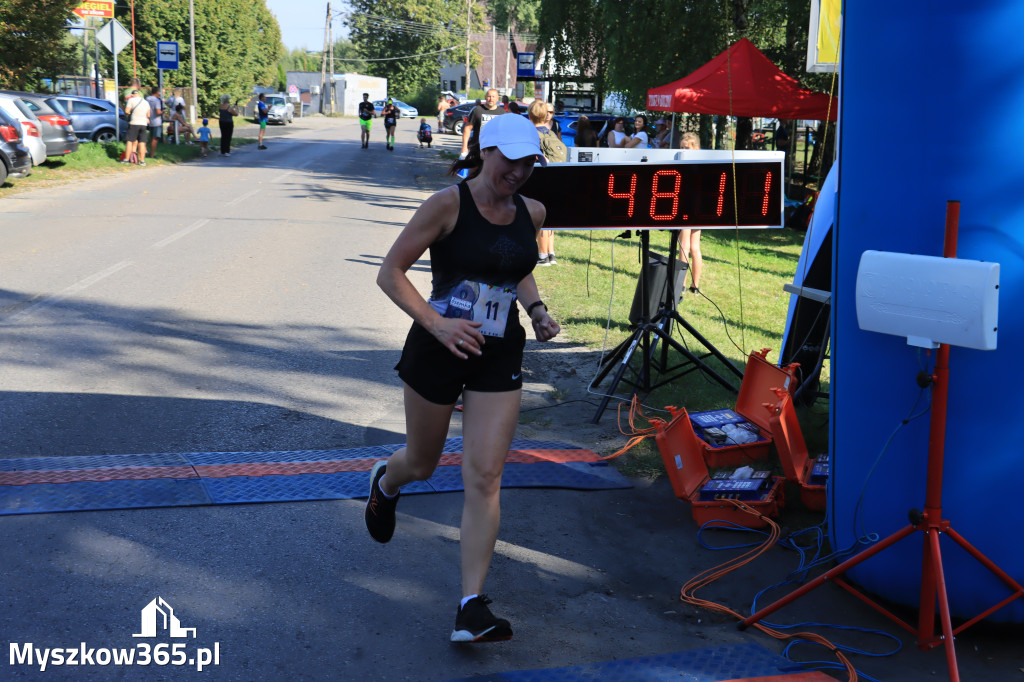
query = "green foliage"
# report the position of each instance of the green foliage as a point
(395, 31)
(520, 16)
(34, 41)
(238, 43)
(611, 39)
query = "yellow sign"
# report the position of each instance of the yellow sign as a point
(824, 35)
(96, 8)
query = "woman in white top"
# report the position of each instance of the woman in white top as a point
(617, 136)
(639, 138)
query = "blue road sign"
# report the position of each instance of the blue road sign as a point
(166, 55)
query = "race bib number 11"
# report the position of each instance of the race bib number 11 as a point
(483, 303)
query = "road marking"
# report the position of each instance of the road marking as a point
(81, 285)
(242, 198)
(181, 233)
(282, 177)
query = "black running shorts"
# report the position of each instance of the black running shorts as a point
(137, 134)
(439, 376)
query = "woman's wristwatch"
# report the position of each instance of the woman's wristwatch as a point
(529, 308)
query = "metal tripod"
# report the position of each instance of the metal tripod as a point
(646, 334)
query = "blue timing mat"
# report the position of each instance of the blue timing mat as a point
(49, 484)
(712, 664)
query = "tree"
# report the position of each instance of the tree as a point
(518, 16)
(406, 41)
(34, 41)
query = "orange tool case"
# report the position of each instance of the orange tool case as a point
(755, 403)
(689, 476)
(687, 456)
(810, 474)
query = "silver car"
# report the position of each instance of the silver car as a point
(58, 135)
(281, 110)
(31, 127)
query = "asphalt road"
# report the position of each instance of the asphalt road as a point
(230, 305)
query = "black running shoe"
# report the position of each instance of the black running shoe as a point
(380, 510)
(474, 622)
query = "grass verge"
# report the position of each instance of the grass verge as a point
(93, 159)
(742, 309)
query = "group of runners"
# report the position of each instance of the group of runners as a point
(366, 113)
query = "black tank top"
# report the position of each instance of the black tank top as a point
(480, 251)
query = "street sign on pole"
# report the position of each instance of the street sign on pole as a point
(166, 55)
(114, 36)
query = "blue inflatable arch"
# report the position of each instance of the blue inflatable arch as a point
(932, 106)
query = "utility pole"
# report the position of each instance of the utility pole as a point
(192, 53)
(323, 59)
(469, 17)
(494, 44)
(330, 80)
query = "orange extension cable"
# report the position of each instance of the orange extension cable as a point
(701, 580)
(688, 592)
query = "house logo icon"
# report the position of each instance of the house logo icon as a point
(158, 615)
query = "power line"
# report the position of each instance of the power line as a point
(422, 28)
(389, 59)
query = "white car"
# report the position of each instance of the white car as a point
(281, 110)
(32, 132)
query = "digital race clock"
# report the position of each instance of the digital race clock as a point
(666, 195)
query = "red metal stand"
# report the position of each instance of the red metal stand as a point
(929, 522)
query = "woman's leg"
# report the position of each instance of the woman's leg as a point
(229, 131)
(489, 423)
(696, 260)
(224, 142)
(426, 428)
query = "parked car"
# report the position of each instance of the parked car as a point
(404, 110)
(15, 160)
(455, 117)
(31, 127)
(570, 121)
(58, 135)
(94, 119)
(281, 110)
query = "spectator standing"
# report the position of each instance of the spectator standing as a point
(481, 235)
(663, 136)
(262, 113)
(442, 106)
(156, 121)
(586, 136)
(478, 118)
(689, 240)
(137, 109)
(204, 137)
(365, 120)
(228, 111)
(554, 151)
(617, 136)
(552, 123)
(639, 139)
(390, 115)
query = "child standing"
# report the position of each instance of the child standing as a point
(204, 136)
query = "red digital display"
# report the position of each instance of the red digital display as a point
(687, 194)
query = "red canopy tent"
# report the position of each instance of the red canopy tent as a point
(757, 88)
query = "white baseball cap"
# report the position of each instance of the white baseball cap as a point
(514, 136)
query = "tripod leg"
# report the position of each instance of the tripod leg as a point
(933, 580)
(623, 365)
(825, 577)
